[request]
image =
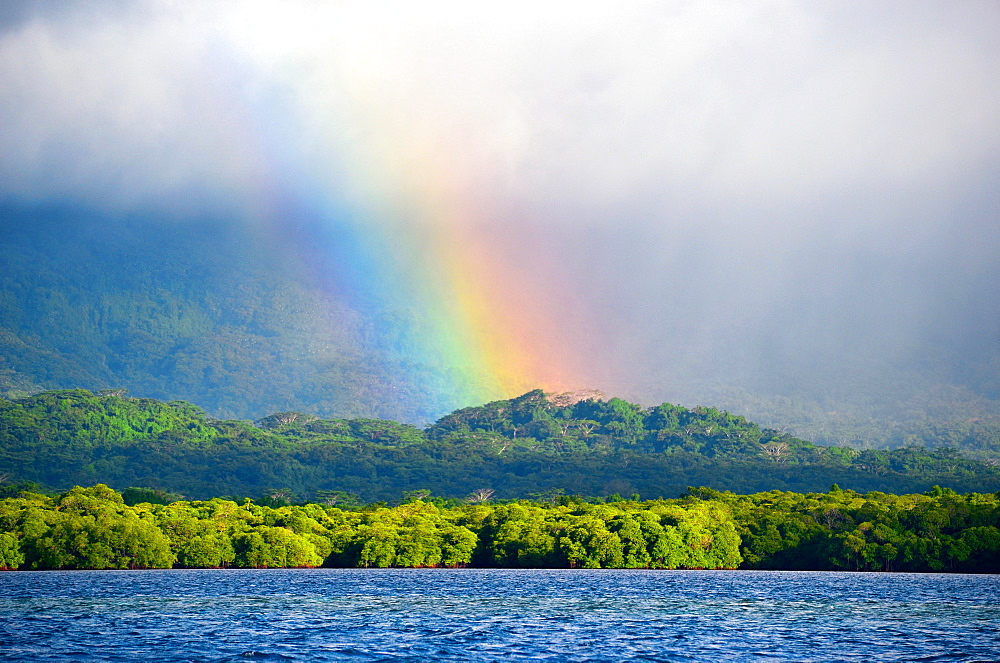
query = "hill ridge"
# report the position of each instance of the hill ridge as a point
(514, 447)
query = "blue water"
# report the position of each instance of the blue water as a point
(493, 615)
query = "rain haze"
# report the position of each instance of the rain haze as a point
(771, 207)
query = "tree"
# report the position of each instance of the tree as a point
(207, 551)
(416, 495)
(776, 451)
(273, 547)
(481, 495)
(11, 556)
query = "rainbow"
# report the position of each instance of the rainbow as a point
(413, 249)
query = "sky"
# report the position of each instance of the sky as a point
(663, 200)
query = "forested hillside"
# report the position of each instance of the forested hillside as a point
(96, 528)
(531, 445)
(244, 321)
(197, 311)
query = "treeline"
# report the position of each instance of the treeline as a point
(513, 448)
(94, 528)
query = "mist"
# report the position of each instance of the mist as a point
(728, 203)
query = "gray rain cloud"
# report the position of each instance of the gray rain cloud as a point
(745, 200)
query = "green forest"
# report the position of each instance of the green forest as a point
(98, 528)
(534, 444)
(195, 311)
(199, 312)
(534, 481)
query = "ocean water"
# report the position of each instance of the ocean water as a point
(496, 615)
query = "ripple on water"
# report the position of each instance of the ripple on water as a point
(486, 615)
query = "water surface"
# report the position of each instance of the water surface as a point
(488, 615)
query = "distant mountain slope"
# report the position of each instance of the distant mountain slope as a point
(530, 445)
(217, 314)
(183, 310)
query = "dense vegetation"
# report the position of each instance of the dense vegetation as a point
(199, 311)
(95, 528)
(533, 444)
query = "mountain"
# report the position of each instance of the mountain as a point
(530, 446)
(246, 320)
(206, 311)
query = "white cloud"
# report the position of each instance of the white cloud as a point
(542, 102)
(753, 153)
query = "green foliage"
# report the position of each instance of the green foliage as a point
(273, 547)
(199, 312)
(93, 528)
(526, 446)
(937, 531)
(196, 312)
(11, 556)
(85, 528)
(133, 496)
(205, 551)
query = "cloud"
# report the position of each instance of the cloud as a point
(777, 103)
(748, 182)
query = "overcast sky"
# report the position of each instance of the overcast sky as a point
(746, 188)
